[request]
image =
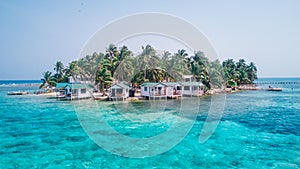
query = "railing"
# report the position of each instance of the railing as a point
(280, 83)
(283, 84)
(155, 93)
(177, 92)
(118, 95)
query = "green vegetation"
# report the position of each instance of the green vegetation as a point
(119, 64)
(237, 73)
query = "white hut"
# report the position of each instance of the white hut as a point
(78, 91)
(192, 88)
(119, 91)
(173, 89)
(153, 89)
(188, 78)
(60, 90)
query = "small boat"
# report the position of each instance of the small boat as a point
(274, 89)
(17, 93)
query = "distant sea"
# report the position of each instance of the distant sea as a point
(278, 79)
(259, 129)
(18, 82)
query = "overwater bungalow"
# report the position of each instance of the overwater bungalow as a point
(188, 78)
(153, 90)
(60, 90)
(161, 89)
(78, 91)
(173, 89)
(192, 88)
(119, 91)
(71, 91)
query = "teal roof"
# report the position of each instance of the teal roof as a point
(150, 84)
(191, 83)
(80, 86)
(61, 85)
(119, 86)
(171, 83)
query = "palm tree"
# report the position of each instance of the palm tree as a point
(124, 52)
(72, 70)
(165, 59)
(252, 72)
(59, 68)
(114, 57)
(199, 66)
(125, 70)
(148, 51)
(103, 79)
(110, 64)
(176, 65)
(182, 53)
(111, 59)
(87, 67)
(230, 72)
(216, 74)
(124, 63)
(239, 72)
(242, 69)
(111, 51)
(147, 59)
(48, 80)
(180, 57)
(156, 74)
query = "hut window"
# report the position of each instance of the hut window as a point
(186, 88)
(83, 91)
(145, 89)
(74, 91)
(119, 91)
(187, 79)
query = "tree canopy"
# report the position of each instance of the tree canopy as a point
(120, 64)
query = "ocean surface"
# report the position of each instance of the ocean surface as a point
(18, 82)
(258, 129)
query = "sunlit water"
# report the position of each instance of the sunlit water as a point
(259, 129)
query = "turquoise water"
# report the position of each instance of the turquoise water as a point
(259, 129)
(17, 82)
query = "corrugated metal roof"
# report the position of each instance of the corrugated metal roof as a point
(119, 86)
(150, 84)
(80, 86)
(171, 83)
(61, 85)
(191, 83)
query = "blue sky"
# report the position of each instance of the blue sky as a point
(35, 34)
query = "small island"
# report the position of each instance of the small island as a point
(120, 74)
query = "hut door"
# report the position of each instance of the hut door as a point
(159, 90)
(113, 92)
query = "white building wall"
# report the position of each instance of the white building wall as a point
(143, 92)
(190, 91)
(78, 95)
(169, 91)
(87, 94)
